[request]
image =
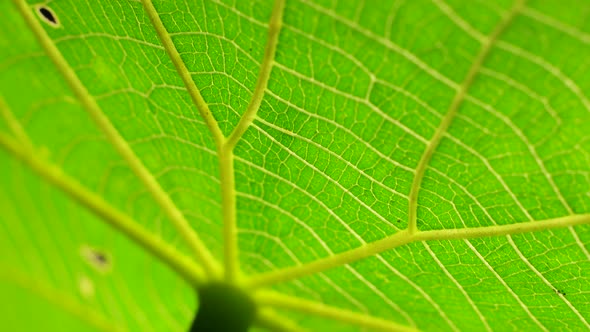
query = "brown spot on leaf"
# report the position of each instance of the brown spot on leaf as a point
(96, 258)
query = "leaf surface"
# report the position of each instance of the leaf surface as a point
(422, 164)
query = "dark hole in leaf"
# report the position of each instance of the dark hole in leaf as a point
(48, 15)
(223, 307)
(96, 258)
(101, 258)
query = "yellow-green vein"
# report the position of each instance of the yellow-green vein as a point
(270, 320)
(405, 237)
(274, 28)
(68, 303)
(183, 72)
(225, 153)
(14, 125)
(89, 103)
(228, 204)
(120, 221)
(452, 111)
(276, 300)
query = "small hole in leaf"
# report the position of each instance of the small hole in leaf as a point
(98, 259)
(47, 15)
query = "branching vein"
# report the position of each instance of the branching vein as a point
(486, 46)
(118, 142)
(405, 237)
(120, 221)
(225, 152)
(183, 72)
(274, 28)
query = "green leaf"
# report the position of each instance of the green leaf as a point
(350, 166)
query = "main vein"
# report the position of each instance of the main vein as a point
(120, 221)
(225, 154)
(228, 204)
(225, 145)
(276, 300)
(485, 49)
(87, 101)
(405, 237)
